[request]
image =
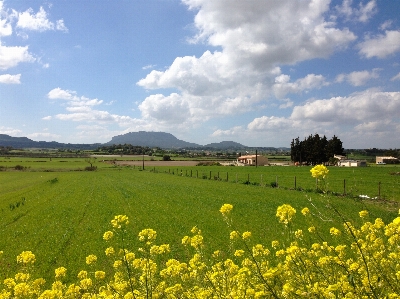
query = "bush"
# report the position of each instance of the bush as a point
(90, 168)
(166, 158)
(19, 167)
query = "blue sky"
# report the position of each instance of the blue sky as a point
(258, 72)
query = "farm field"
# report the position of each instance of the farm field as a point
(60, 212)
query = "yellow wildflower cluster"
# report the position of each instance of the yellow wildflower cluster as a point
(319, 171)
(367, 266)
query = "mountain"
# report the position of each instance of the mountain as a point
(224, 145)
(151, 139)
(24, 142)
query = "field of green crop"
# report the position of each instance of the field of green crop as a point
(60, 212)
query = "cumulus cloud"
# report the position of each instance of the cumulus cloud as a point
(250, 41)
(368, 105)
(381, 45)
(38, 22)
(363, 13)
(10, 79)
(358, 78)
(12, 56)
(10, 131)
(81, 109)
(283, 86)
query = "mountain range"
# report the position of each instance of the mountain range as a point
(142, 138)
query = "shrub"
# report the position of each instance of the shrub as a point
(19, 167)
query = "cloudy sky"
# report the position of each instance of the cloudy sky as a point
(258, 72)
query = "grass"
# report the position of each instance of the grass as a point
(64, 214)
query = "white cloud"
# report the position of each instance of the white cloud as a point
(170, 109)
(235, 131)
(43, 136)
(397, 77)
(266, 123)
(10, 79)
(358, 78)
(80, 109)
(362, 14)
(38, 22)
(251, 41)
(10, 131)
(381, 46)
(282, 85)
(369, 105)
(12, 56)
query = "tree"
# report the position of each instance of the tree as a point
(315, 149)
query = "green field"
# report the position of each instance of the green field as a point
(60, 212)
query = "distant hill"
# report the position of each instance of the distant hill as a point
(24, 142)
(151, 139)
(223, 145)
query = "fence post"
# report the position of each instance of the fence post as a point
(344, 187)
(210, 174)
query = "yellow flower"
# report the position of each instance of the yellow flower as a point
(311, 229)
(60, 272)
(334, 231)
(246, 235)
(226, 209)
(108, 235)
(119, 221)
(275, 244)
(285, 213)
(91, 259)
(26, 257)
(239, 253)
(319, 171)
(305, 211)
(82, 274)
(99, 274)
(147, 235)
(109, 251)
(363, 214)
(234, 235)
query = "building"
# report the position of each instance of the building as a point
(252, 160)
(386, 160)
(352, 163)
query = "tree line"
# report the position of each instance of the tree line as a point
(315, 149)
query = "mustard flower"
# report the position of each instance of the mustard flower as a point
(147, 235)
(82, 274)
(363, 214)
(298, 234)
(305, 211)
(246, 235)
(108, 235)
(60, 272)
(334, 231)
(186, 240)
(311, 229)
(26, 257)
(110, 251)
(275, 244)
(234, 235)
(99, 275)
(91, 259)
(319, 171)
(285, 213)
(119, 221)
(226, 209)
(239, 252)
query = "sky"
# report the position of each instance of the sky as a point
(257, 72)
